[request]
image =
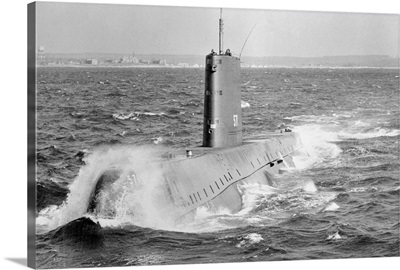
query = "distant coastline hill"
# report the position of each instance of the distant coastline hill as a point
(381, 61)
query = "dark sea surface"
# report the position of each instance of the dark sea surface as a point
(341, 201)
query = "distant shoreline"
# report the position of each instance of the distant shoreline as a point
(116, 66)
(200, 67)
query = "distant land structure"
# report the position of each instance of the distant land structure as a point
(197, 61)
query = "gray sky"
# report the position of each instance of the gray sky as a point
(102, 28)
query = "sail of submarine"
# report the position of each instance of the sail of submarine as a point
(209, 175)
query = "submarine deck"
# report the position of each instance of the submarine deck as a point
(197, 151)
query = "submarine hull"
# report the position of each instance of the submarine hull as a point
(210, 179)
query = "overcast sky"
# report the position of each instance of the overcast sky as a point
(102, 28)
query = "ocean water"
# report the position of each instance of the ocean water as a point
(341, 200)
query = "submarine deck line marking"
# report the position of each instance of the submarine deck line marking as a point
(211, 189)
(216, 184)
(240, 179)
(221, 181)
(226, 178)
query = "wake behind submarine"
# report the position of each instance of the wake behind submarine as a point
(209, 175)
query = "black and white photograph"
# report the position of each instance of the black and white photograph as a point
(177, 135)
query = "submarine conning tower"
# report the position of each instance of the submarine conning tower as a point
(222, 99)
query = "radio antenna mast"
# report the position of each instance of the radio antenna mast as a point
(247, 39)
(221, 32)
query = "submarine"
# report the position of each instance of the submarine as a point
(210, 175)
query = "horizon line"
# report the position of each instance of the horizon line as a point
(202, 55)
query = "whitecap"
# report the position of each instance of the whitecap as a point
(252, 193)
(335, 236)
(314, 118)
(332, 207)
(143, 195)
(375, 133)
(254, 238)
(135, 115)
(359, 123)
(203, 212)
(158, 140)
(121, 116)
(251, 238)
(358, 190)
(310, 187)
(150, 113)
(244, 104)
(316, 146)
